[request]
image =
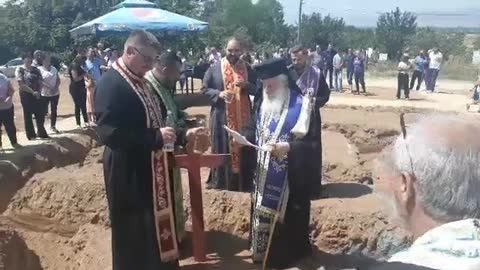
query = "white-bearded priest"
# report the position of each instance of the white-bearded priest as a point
(285, 121)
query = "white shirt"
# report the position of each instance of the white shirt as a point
(213, 58)
(50, 78)
(403, 67)
(435, 60)
(451, 246)
(337, 61)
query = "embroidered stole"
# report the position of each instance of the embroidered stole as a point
(238, 111)
(169, 102)
(308, 83)
(162, 197)
(309, 80)
(271, 191)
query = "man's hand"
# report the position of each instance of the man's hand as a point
(280, 150)
(242, 84)
(226, 95)
(168, 135)
(37, 94)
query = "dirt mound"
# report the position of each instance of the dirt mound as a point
(14, 253)
(16, 168)
(350, 159)
(62, 199)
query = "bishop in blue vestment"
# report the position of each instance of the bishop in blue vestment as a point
(287, 130)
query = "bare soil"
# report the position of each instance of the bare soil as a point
(55, 213)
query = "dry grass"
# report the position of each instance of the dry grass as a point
(452, 71)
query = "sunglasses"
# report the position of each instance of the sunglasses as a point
(146, 58)
(403, 127)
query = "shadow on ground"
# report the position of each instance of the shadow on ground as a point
(345, 190)
(229, 252)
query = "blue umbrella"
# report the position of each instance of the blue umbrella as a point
(134, 15)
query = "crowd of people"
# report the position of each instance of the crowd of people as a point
(283, 174)
(38, 83)
(425, 66)
(129, 99)
(335, 65)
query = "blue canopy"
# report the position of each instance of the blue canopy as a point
(138, 15)
(135, 3)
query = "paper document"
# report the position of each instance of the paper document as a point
(242, 140)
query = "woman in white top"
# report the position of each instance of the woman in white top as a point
(7, 112)
(50, 90)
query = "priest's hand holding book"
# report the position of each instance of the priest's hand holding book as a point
(279, 150)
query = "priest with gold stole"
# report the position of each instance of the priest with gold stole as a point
(287, 130)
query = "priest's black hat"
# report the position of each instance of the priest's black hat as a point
(271, 68)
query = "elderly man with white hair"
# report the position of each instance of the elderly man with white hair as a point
(430, 180)
(287, 130)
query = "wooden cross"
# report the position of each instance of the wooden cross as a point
(193, 162)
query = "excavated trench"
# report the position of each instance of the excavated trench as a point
(54, 213)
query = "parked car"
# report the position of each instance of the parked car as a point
(9, 68)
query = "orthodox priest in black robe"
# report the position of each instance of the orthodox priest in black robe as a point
(287, 130)
(311, 82)
(228, 84)
(136, 169)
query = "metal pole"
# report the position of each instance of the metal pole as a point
(299, 20)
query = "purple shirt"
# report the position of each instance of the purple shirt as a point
(358, 65)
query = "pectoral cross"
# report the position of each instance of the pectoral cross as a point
(193, 162)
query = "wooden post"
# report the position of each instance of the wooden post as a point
(193, 162)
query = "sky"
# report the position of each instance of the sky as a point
(438, 13)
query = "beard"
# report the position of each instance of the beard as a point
(273, 104)
(391, 208)
(232, 59)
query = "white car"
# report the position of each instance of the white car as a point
(9, 68)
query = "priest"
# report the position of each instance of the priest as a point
(228, 85)
(311, 82)
(161, 81)
(285, 169)
(137, 172)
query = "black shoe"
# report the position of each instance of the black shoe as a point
(16, 146)
(31, 138)
(44, 137)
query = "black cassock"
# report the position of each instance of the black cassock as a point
(290, 241)
(223, 177)
(128, 174)
(322, 97)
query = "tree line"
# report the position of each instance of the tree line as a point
(44, 25)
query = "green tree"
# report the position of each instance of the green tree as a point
(356, 38)
(447, 42)
(318, 30)
(394, 29)
(262, 22)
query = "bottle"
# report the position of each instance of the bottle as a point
(169, 122)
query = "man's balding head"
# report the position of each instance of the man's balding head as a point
(141, 50)
(433, 175)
